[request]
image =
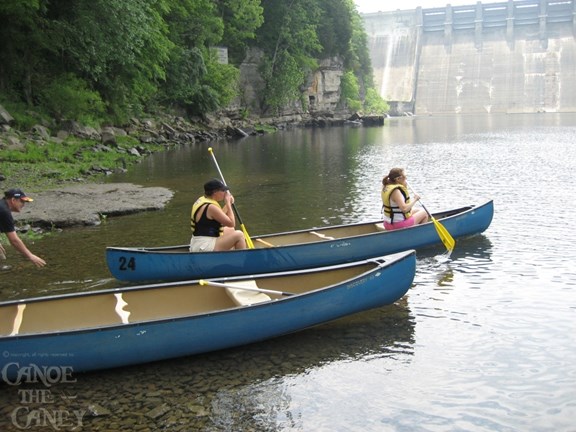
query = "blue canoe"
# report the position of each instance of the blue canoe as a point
(130, 325)
(292, 250)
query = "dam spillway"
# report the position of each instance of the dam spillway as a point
(517, 56)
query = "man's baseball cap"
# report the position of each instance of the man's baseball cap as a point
(17, 193)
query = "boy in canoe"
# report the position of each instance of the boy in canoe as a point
(212, 225)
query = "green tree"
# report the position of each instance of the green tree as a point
(195, 78)
(22, 44)
(67, 97)
(335, 27)
(358, 58)
(290, 42)
(241, 20)
(119, 46)
(72, 59)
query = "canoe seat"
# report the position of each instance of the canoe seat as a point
(322, 236)
(242, 297)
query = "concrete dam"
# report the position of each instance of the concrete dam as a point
(517, 56)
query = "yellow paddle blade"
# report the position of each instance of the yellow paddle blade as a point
(249, 242)
(444, 235)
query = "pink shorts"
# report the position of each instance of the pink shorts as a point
(402, 224)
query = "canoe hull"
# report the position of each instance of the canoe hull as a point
(142, 342)
(142, 264)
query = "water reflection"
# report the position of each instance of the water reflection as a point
(472, 254)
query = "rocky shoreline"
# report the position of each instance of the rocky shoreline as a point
(174, 130)
(88, 203)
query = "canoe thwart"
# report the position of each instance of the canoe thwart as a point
(264, 242)
(322, 236)
(241, 285)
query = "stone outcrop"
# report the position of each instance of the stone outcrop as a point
(5, 117)
(321, 91)
(89, 204)
(324, 89)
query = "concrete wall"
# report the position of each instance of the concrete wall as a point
(515, 56)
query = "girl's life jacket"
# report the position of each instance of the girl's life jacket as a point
(390, 209)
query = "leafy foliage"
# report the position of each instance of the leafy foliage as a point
(241, 20)
(335, 27)
(68, 97)
(290, 42)
(350, 94)
(374, 104)
(108, 60)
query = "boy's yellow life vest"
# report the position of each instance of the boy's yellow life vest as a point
(212, 228)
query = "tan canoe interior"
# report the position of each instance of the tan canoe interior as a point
(332, 233)
(300, 237)
(141, 305)
(317, 236)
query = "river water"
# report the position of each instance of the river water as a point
(485, 342)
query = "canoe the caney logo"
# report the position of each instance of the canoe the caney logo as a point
(360, 282)
(341, 244)
(39, 404)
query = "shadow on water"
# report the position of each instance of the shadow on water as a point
(223, 390)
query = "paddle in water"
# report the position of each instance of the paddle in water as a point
(443, 233)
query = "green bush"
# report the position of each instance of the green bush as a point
(374, 104)
(23, 117)
(68, 97)
(350, 91)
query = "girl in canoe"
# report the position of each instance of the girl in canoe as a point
(212, 225)
(397, 204)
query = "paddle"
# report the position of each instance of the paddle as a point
(443, 233)
(265, 291)
(249, 242)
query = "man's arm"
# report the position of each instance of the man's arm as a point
(21, 247)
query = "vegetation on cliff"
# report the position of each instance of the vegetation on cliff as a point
(105, 61)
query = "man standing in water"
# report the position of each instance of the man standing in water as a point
(13, 201)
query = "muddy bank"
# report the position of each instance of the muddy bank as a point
(87, 204)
